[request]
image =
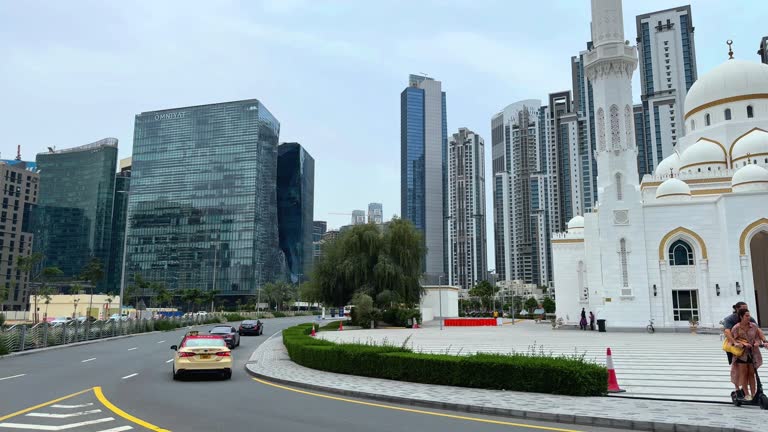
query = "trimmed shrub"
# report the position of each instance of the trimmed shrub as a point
(164, 325)
(278, 314)
(516, 372)
(399, 317)
(234, 317)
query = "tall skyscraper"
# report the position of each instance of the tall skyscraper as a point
(584, 108)
(19, 184)
(358, 217)
(203, 202)
(375, 213)
(73, 219)
(295, 208)
(467, 256)
(119, 223)
(423, 144)
(318, 231)
(763, 51)
(667, 56)
(520, 192)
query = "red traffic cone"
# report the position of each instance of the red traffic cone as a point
(613, 383)
(313, 334)
(415, 324)
(341, 325)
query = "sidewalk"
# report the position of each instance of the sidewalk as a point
(270, 362)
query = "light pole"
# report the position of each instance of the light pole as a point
(125, 253)
(440, 294)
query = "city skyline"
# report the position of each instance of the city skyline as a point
(54, 69)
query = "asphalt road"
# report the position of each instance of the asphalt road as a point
(126, 384)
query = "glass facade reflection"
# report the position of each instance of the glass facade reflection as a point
(203, 207)
(73, 218)
(119, 221)
(295, 202)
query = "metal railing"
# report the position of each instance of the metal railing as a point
(22, 337)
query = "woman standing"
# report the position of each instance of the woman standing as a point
(748, 336)
(591, 321)
(583, 322)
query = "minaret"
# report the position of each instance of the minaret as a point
(609, 67)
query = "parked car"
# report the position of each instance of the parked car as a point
(118, 317)
(60, 321)
(230, 335)
(202, 313)
(251, 327)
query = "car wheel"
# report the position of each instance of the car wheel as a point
(227, 375)
(238, 341)
(175, 375)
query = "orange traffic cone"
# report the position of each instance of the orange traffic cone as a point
(613, 383)
(341, 325)
(313, 334)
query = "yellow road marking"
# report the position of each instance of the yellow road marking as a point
(100, 396)
(416, 411)
(44, 404)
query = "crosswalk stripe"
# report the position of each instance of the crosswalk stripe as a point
(61, 416)
(117, 429)
(72, 406)
(54, 428)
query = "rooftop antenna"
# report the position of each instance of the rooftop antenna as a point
(730, 49)
(18, 152)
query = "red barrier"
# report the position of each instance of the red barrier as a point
(470, 322)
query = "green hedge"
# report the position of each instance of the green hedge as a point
(518, 372)
(234, 317)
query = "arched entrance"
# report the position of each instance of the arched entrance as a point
(758, 249)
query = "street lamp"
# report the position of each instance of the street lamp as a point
(440, 294)
(125, 253)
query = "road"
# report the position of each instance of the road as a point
(126, 385)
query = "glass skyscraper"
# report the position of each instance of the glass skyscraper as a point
(202, 205)
(423, 168)
(73, 219)
(119, 224)
(295, 204)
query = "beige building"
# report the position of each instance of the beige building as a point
(18, 192)
(74, 306)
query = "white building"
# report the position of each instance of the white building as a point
(467, 255)
(690, 240)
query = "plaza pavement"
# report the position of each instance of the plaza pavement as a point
(271, 362)
(680, 366)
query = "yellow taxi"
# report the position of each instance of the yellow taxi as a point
(202, 354)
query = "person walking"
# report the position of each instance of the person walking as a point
(749, 337)
(583, 322)
(591, 321)
(728, 323)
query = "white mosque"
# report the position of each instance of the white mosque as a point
(689, 241)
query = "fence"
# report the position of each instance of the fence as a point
(25, 337)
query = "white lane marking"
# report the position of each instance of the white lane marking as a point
(131, 349)
(72, 406)
(11, 377)
(60, 416)
(169, 361)
(87, 360)
(129, 376)
(161, 342)
(118, 429)
(54, 428)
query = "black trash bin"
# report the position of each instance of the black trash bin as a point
(601, 325)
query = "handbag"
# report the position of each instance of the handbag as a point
(729, 348)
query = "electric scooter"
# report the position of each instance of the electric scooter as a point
(760, 399)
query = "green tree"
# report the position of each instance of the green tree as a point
(163, 297)
(93, 272)
(209, 297)
(46, 295)
(531, 304)
(363, 309)
(485, 292)
(548, 304)
(190, 296)
(310, 293)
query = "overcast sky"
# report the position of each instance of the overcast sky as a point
(72, 72)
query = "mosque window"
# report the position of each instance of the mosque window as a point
(727, 113)
(680, 253)
(707, 120)
(693, 125)
(619, 188)
(615, 137)
(601, 128)
(750, 111)
(624, 271)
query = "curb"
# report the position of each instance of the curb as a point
(89, 342)
(500, 412)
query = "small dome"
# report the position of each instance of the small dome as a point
(673, 188)
(703, 152)
(732, 78)
(749, 178)
(670, 162)
(577, 222)
(753, 143)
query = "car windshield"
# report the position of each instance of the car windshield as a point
(221, 330)
(203, 342)
(249, 322)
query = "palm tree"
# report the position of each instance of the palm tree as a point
(46, 296)
(93, 272)
(210, 297)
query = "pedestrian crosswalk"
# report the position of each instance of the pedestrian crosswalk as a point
(77, 415)
(660, 366)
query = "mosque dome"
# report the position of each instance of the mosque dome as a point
(576, 223)
(673, 188)
(750, 178)
(671, 162)
(704, 153)
(733, 78)
(754, 143)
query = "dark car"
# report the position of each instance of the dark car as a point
(229, 333)
(251, 327)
